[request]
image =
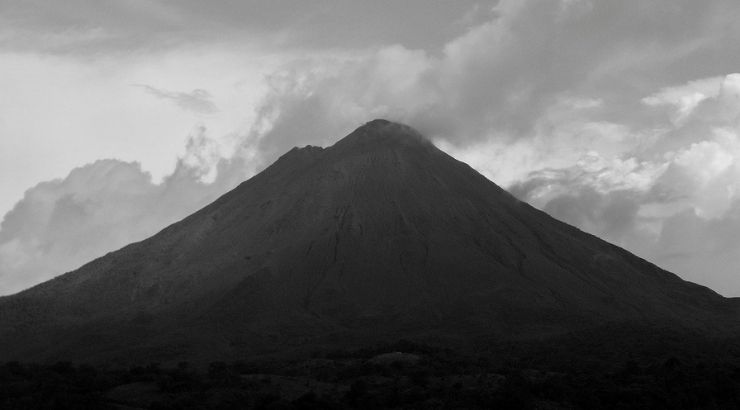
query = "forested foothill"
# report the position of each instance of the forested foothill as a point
(583, 371)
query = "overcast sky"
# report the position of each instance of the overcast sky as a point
(120, 117)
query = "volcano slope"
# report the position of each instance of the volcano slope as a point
(381, 235)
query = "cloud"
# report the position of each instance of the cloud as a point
(673, 198)
(500, 77)
(102, 206)
(91, 27)
(562, 103)
(600, 196)
(682, 100)
(198, 100)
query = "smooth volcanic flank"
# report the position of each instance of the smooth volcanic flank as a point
(381, 235)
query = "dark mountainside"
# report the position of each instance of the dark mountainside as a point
(379, 237)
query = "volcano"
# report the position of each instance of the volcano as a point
(381, 235)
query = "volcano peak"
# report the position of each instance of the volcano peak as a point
(381, 234)
(381, 132)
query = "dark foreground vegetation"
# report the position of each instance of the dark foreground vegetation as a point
(585, 372)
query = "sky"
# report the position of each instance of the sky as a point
(118, 118)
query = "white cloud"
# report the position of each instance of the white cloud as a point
(100, 207)
(57, 112)
(684, 99)
(677, 207)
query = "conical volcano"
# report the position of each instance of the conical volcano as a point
(381, 235)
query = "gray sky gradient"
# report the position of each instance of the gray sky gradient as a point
(622, 118)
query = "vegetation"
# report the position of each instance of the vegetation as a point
(545, 376)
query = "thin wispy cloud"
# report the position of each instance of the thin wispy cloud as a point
(198, 100)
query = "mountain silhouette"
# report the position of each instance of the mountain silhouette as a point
(381, 235)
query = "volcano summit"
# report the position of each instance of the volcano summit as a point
(379, 236)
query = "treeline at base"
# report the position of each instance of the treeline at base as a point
(583, 372)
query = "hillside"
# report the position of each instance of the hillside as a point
(377, 237)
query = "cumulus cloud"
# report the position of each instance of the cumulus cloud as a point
(499, 78)
(61, 224)
(673, 200)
